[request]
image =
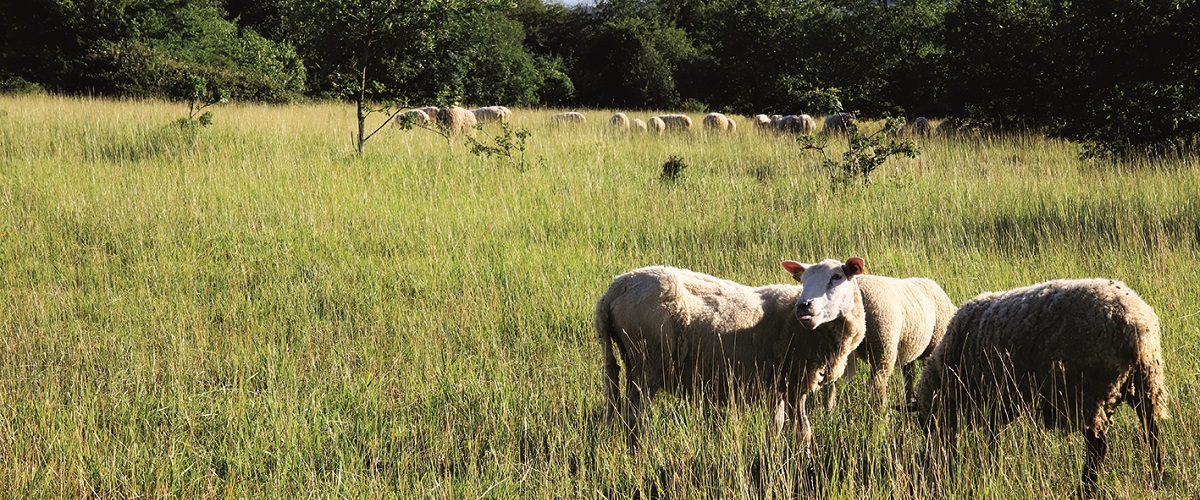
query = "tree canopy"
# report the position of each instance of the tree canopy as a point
(1121, 76)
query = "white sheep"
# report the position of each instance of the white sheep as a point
(418, 118)
(717, 122)
(906, 318)
(656, 124)
(619, 120)
(798, 124)
(762, 122)
(1067, 351)
(638, 124)
(456, 120)
(676, 122)
(839, 123)
(569, 117)
(491, 114)
(690, 333)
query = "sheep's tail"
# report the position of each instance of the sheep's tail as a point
(1148, 392)
(612, 371)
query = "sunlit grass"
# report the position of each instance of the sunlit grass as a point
(253, 310)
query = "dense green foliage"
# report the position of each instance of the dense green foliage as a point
(1120, 76)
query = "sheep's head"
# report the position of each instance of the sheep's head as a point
(829, 289)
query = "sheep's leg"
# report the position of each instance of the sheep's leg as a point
(780, 414)
(1097, 449)
(1145, 411)
(803, 429)
(910, 378)
(881, 370)
(830, 395)
(612, 391)
(634, 414)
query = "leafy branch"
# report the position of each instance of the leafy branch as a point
(865, 153)
(508, 144)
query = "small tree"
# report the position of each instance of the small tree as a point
(865, 153)
(509, 145)
(200, 93)
(368, 43)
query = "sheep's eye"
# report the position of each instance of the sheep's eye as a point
(837, 277)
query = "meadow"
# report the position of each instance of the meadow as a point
(252, 310)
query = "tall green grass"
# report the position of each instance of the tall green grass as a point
(252, 310)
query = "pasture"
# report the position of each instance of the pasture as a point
(252, 310)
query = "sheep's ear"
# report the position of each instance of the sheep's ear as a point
(795, 268)
(854, 266)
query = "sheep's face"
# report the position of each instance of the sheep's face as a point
(829, 289)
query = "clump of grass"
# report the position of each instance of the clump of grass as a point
(672, 169)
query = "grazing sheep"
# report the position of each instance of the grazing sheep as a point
(491, 114)
(1069, 351)
(456, 120)
(418, 118)
(717, 122)
(619, 120)
(638, 124)
(676, 122)
(431, 111)
(656, 124)
(691, 333)
(732, 126)
(775, 120)
(569, 117)
(762, 122)
(920, 127)
(505, 113)
(799, 124)
(906, 318)
(839, 123)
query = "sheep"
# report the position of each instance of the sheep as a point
(431, 111)
(1068, 351)
(686, 332)
(762, 122)
(638, 124)
(456, 120)
(619, 120)
(920, 127)
(839, 123)
(906, 318)
(717, 122)
(418, 118)
(656, 124)
(491, 114)
(569, 117)
(731, 127)
(800, 124)
(676, 122)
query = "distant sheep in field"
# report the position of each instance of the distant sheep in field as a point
(430, 111)
(718, 122)
(619, 120)
(491, 114)
(656, 124)
(797, 124)
(920, 127)
(906, 318)
(693, 334)
(839, 123)
(638, 124)
(762, 123)
(456, 120)
(418, 117)
(1067, 351)
(676, 122)
(569, 117)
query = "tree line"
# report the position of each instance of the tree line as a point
(1121, 76)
